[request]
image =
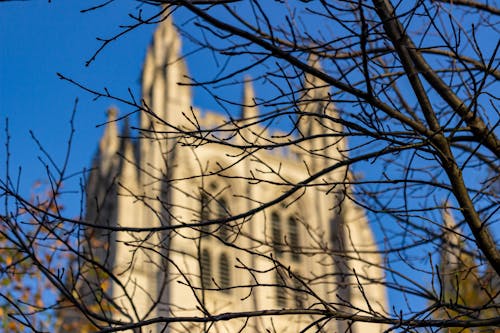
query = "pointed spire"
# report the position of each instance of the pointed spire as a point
(452, 242)
(109, 143)
(448, 220)
(129, 167)
(166, 42)
(312, 102)
(250, 131)
(126, 129)
(164, 70)
(316, 91)
(311, 81)
(458, 268)
(317, 117)
(249, 110)
(127, 148)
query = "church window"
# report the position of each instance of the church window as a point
(276, 234)
(298, 295)
(293, 238)
(280, 290)
(204, 213)
(222, 213)
(206, 269)
(224, 273)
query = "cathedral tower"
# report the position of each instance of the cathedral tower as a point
(163, 202)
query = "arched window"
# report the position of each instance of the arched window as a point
(224, 273)
(280, 289)
(293, 238)
(222, 213)
(276, 234)
(298, 295)
(206, 269)
(204, 212)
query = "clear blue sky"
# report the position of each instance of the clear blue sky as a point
(39, 39)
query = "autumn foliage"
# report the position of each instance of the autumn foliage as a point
(34, 256)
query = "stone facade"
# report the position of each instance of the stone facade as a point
(299, 253)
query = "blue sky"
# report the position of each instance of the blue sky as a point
(40, 39)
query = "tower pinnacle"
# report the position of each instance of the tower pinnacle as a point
(249, 110)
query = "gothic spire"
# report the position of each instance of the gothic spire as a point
(452, 242)
(129, 167)
(165, 75)
(110, 143)
(249, 110)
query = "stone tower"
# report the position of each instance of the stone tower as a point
(162, 202)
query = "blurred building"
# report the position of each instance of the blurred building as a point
(189, 181)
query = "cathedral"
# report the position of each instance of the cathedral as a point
(209, 224)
